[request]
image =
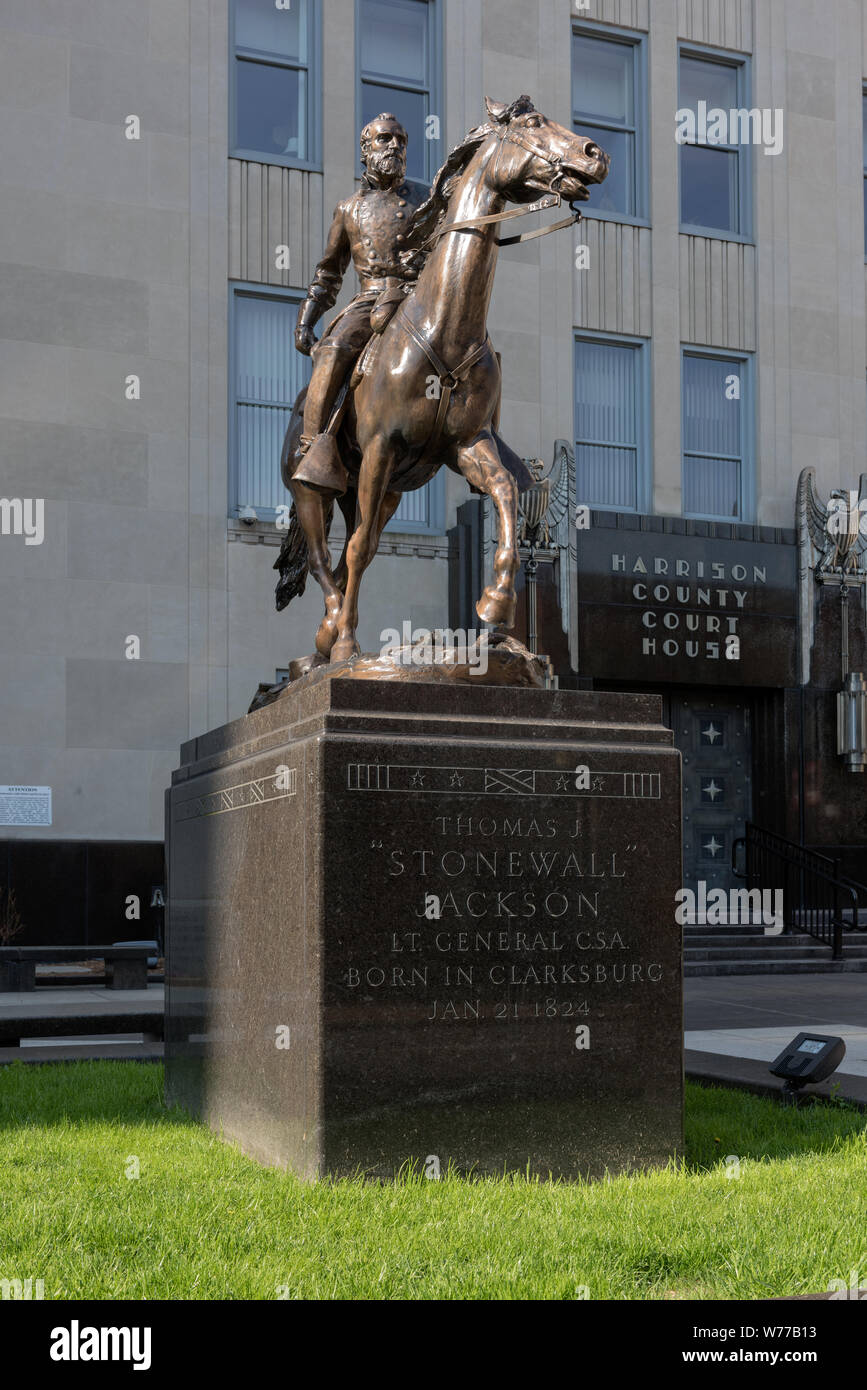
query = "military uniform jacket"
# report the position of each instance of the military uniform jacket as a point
(369, 228)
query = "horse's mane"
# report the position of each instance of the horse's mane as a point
(428, 217)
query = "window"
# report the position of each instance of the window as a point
(266, 376)
(610, 418)
(607, 105)
(398, 59)
(275, 88)
(717, 406)
(714, 167)
(422, 511)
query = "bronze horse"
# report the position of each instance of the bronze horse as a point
(394, 436)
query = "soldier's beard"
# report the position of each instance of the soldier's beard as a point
(386, 167)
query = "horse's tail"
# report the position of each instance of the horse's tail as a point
(292, 563)
(292, 560)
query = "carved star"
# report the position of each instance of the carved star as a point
(597, 784)
(711, 733)
(417, 779)
(712, 790)
(713, 846)
(456, 780)
(562, 784)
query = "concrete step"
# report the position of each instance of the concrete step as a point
(765, 953)
(85, 1051)
(748, 951)
(728, 938)
(818, 965)
(702, 928)
(690, 933)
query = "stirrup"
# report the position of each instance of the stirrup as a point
(320, 466)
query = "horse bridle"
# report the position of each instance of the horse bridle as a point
(552, 199)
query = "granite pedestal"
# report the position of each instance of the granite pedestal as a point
(411, 922)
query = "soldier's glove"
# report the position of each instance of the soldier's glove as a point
(308, 313)
(305, 339)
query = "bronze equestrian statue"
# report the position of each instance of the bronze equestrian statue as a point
(388, 432)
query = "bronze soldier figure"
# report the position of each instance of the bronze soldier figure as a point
(368, 228)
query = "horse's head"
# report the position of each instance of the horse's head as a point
(538, 155)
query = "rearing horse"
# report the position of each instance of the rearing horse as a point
(403, 436)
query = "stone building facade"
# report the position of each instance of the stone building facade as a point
(149, 268)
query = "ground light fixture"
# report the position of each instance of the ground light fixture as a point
(808, 1059)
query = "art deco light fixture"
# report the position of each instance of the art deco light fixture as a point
(851, 702)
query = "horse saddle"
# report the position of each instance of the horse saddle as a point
(384, 309)
(387, 305)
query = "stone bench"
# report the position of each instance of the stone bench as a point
(126, 967)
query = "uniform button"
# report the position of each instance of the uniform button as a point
(398, 214)
(368, 241)
(401, 202)
(399, 237)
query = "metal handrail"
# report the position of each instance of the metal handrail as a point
(811, 882)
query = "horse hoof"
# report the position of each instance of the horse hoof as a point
(344, 649)
(494, 607)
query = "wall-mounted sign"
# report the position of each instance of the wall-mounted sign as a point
(25, 805)
(654, 606)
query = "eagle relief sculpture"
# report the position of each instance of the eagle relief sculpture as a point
(832, 543)
(405, 380)
(835, 536)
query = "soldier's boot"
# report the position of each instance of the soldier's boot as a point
(318, 462)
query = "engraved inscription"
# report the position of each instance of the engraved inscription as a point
(513, 915)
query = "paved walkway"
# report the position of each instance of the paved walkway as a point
(80, 1001)
(734, 1026)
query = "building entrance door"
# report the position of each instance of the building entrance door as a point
(713, 735)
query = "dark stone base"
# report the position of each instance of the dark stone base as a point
(17, 977)
(126, 974)
(318, 1010)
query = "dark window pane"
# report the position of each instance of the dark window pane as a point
(394, 40)
(260, 25)
(617, 193)
(606, 424)
(605, 393)
(865, 219)
(711, 415)
(410, 109)
(271, 116)
(267, 365)
(269, 373)
(606, 477)
(709, 188)
(602, 79)
(715, 83)
(711, 486)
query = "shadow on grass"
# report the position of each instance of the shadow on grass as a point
(54, 1093)
(721, 1124)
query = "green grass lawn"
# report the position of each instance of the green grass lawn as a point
(204, 1222)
